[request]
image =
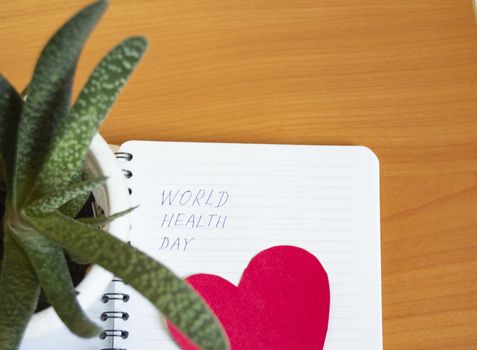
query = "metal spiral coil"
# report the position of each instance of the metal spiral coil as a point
(115, 296)
(124, 155)
(114, 314)
(114, 333)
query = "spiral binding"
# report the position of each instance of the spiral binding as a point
(107, 297)
(114, 333)
(114, 296)
(114, 314)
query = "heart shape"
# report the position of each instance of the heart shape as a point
(281, 302)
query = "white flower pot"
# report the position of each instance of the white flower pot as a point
(112, 197)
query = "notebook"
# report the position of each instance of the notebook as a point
(211, 207)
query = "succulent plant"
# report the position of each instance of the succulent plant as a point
(44, 140)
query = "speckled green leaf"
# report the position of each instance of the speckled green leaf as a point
(94, 102)
(49, 92)
(176, 300)
(73, 207)
(19, 290)
(78, 259)
(103, 220)
(49, 263)
(98, 222)
(55, 200)
(10, 109)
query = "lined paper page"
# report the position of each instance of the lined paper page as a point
(210, 208)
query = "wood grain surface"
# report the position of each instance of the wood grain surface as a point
(399, 76)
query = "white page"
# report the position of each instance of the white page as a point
(321, 198)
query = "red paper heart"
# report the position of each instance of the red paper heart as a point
(281, 302)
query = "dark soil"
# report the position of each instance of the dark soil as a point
(3, 195)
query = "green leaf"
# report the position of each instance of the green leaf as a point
(49, 94)
(19, 290)
(10, 108)
(93, 104)
(74, 206)
(55, 200)
(78, 259)
(97, 222)
(171, 295)
(103, 220)
(49, 263)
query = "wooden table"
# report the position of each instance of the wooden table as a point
(397, 76)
